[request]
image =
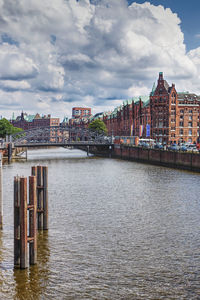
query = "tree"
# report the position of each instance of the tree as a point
(7, 129)
(98, 126)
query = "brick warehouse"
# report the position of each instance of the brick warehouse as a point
(171, 117)
(26, 121)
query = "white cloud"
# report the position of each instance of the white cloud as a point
(15, 64)
(10, 85)
(58, 54)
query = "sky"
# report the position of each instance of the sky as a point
(55, 55)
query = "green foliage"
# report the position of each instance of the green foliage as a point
(7, 129)
(98, 126)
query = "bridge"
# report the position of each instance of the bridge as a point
(58, 136)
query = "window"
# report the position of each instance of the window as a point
(190, 117)
(190, 111)
(190, 132)
(190, 124)
(181, 131)
(181, 117)
(182, 111)
(173, 98)
(181, 124)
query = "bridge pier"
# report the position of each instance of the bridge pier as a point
(88, 148)
(9, 152)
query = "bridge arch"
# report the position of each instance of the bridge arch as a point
(58, 135)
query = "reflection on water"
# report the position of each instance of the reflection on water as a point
(31, 282)
(117, 230)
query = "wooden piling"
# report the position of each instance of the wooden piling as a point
(23, 223)
(1, 193)
(45, 197)
(32, 220)
(40, 197)
(16, 221)
(41, 173)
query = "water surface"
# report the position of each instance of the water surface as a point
(117, 230)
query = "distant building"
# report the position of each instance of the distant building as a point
(81, 117)
(80, 112)
(166, 115)
(65, 121)
(174, 116)
(26, 121)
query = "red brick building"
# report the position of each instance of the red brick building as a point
(166, 116)
(80, 112)
(131, 118)
(26, 121)
(81, 117)
(174, 116)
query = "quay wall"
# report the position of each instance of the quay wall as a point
(174, 159)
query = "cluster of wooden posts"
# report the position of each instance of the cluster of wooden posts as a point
(28, 217)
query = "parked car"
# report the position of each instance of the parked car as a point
(192, 147)
(158, 146)
(183, 148)
(173, 147)
(143, 145)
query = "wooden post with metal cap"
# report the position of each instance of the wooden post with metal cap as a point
(32, 239)
(45, 197)
(23, 224)
(16, 221)
(21, 238)
(41, 173)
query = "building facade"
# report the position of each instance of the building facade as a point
(174, 116)
(81, 117)
(81, 112)
(166, 115)
(26, 121)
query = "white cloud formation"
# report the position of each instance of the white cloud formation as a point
(63, 53)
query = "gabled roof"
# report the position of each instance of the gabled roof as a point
(166, 85)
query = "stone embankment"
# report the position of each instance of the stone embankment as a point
(174, 159)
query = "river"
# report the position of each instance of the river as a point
(117, 230)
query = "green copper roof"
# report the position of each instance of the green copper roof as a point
(29, 118)
(153, 89)
(65, 119)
